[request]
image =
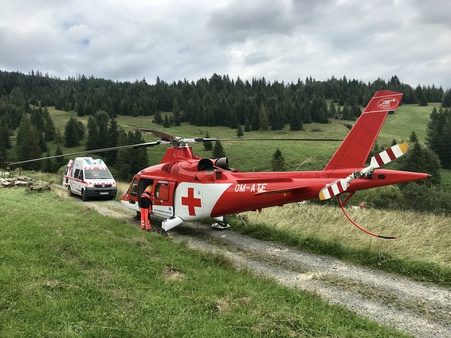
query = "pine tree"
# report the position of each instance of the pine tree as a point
(49, 126)
(166, 123)
(73, 132)
(413, 137)
(27, 145)
(177, 118)
(58, 137)
(296, 120)
(113, 141)
(158, 119)
(208, 145)
(346, 113)
(21, 139)
(264, 120)
(332, 110)
(239, 131)
(439, 135)
(130, 161)
(17, 97)
(423, 100)
(102, 120)
(420, 159)
(446, 101)
(218, 150)
(60, 160)
(278, 161)
(255, 121)
(233, 123)
(48, 164)
(4, 140)
(93, 135)
(306, 111)
(247, 125)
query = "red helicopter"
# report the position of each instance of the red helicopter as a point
(189, 188)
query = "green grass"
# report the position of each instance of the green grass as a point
(70, 272)
(407, 118)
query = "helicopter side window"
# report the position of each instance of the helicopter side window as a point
(162, 191)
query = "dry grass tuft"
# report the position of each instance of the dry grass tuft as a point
(422, 237)
(173, 274)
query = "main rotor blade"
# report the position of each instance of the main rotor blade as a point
(167, 137)
(211, 139)
(93, 151)
(163, 136)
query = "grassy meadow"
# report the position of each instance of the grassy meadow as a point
(67, 271)
(70, 272)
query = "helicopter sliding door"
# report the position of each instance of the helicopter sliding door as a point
(163, 198)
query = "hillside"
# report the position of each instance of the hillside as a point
(248, 156)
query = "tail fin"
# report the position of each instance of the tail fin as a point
(356, 147)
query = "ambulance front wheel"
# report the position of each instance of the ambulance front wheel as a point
(84, 195)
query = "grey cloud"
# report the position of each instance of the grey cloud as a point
(239, 21)
(281, 40)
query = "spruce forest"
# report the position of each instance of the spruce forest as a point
(217, 101)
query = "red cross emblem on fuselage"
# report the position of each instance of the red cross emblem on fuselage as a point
(191, 202)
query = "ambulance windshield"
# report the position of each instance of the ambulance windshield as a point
(98, 174)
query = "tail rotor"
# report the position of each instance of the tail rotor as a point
(377, 161)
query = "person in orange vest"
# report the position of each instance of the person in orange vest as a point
(145, 208)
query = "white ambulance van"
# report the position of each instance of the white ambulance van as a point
(88, 178)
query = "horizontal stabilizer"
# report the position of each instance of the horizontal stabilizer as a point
(279, 191)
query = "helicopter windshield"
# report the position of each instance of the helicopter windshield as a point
(98, 174)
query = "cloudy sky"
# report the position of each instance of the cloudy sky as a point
(277, 39)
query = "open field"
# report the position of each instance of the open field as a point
(70, 272)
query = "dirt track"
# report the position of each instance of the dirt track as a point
(419, 309)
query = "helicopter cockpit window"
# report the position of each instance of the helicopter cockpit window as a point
(162, 191)
(134, 188)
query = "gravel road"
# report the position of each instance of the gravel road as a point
(422, 310)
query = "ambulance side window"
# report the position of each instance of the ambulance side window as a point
(77, 172)
(80, 176)
(134, 188)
